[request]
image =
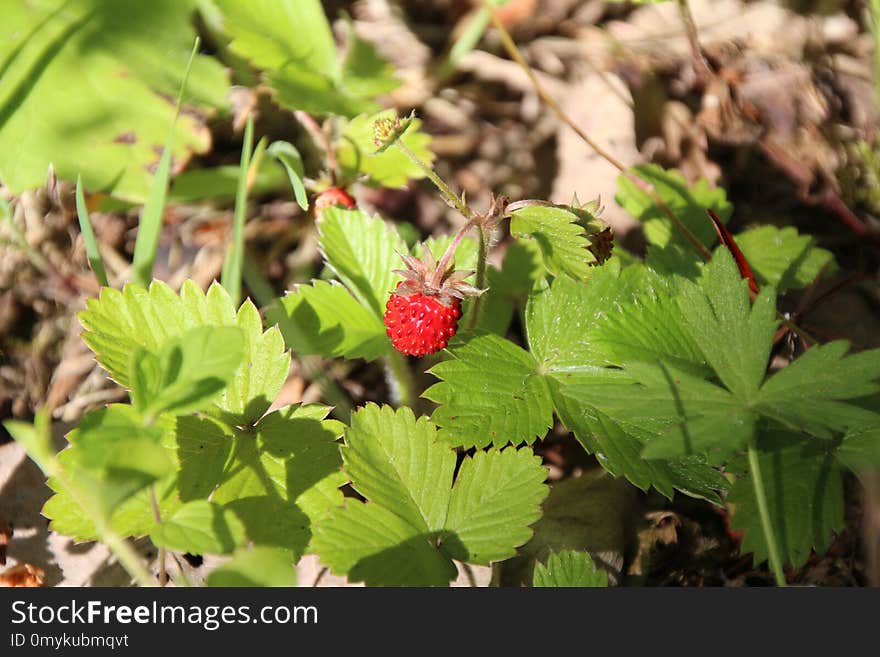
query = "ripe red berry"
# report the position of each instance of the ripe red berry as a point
(330, 197)
(419, 324)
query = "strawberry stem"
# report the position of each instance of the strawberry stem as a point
(482, 254)
(445, 189)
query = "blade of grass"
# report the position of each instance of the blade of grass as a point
(150, 223)
(232, 266)
(85, 227)
(291, 160)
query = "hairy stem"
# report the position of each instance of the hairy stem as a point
(322, 139)
(764, 512)
(482, 255)
(447, 192)
(157, 518)
(400, 378)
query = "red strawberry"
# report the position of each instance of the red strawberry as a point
(419, 324)
(423, 311)
(330, 197)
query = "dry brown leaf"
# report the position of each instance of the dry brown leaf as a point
(23, 575)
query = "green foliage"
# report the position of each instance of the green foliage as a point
(118, 323)
(356, 152)
(416, 519)
(804, 494)
(291, 42)
(688, 204)
(199, 527)
(569, 569)
(782, 258)
(561, 239)
(85, 86)
(187, 373)
(289, 157)
(259, 566)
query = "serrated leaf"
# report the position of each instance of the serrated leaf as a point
(390, 168)
(395, 461)
(490, 392)
(805, 498)
(809, 394)
(559, 236)
(687, 203)
(508, 288)
(187, 373)
(569, 569)
(362, 251)
(734, 335)
(127, 59)
(199, 527)
(119, 322)
(416, 519)
(371, 544)
(496, 497)
(324, 319)
(860, 448)
(258, 566)
(281, 477)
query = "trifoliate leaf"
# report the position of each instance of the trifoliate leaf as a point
(86, 87)
(491, 393)
(687, 203)
(805, 499)
(282, 476)
(199, 527)
(560, 237)
(734, 335)
(258, 566)
(324, 319)
(809, 394)
(416, 519)
(782, 258)
(118, 323)
(569, 569)
(187, 373)
(362, 251)
(356, 152)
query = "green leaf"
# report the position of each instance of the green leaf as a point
(324, 319)
(289, 157)
(362, 251)
(805, 499)
(560, 237)
(365, 74)
(782, 258)
(371, 544)
(390, 168)
(187, 373)
(36, 438)
(687, 203)
(569, 569)
(119, 322)
(85, 86)
(258, 566)
(281, 478)
(395, 461)
(199, 527)
(96, 262)
(860, 448)
(508, 288)
(734, 335)
(809, 394)
(491, 392)
(496, 497)
(416, 519)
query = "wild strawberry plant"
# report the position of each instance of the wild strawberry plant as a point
(663, 369)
